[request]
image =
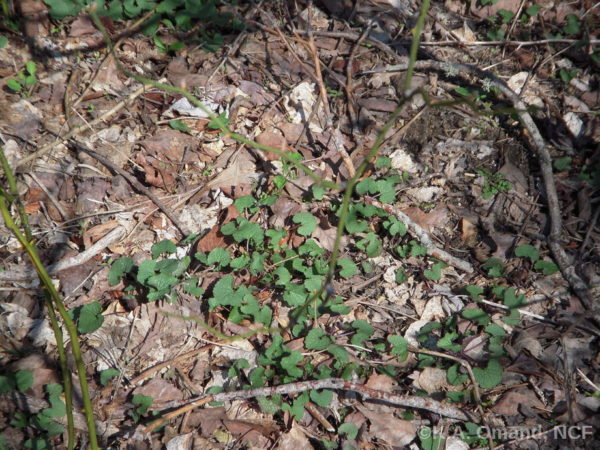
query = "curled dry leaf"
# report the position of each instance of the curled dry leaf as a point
(294, 438)
(274, 140)
(510, 401)
(214, 238)
(160, 390)
(431, 379)
(468, 232)
(436, 218)
(380, 382)
(388, 428)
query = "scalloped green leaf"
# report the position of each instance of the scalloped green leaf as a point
(107, 375)
(164, 246)
(316, 339)
(527, 251)
(348, 268)
(321, 397)
(489, 377)
(119, 268)
(546, 267)
(308, 223)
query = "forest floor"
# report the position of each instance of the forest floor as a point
(457, 307)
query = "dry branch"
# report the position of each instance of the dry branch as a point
(366, 393)
(539, 145)
(422, 235)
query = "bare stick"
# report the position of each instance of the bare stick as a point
(29, 274)
(134, 183)
(317, 63)
(422, 235)
(539, 145)
(366, 393)
(76, 131)
(350, 76)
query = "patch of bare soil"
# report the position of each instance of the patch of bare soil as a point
(462, 306)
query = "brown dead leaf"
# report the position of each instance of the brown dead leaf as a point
(170, 144)
(274, 140)
(207, 420)
(108, 79)
(510, 402)
(522, 340)
(431, 379)
(214, 238)
(22, 117)
(257, 93)
(474, 347)
(179, 74)
(437, 218)
(241, 170)
(81, 26)
(377, 104)
(72, 278)
(380, 382)
(468, 232)
(34, 15)
(90, 194)
(291, 131)
(283, 208)
(294, 438)
(91, 235)
(503, 241)
(160, 390)
(244, 426)
(388, 428)
(325, 237)
(492, 9)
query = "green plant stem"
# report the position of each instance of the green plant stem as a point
(64, 368)
(14, 195)
(55, 301)
(414, 46)
(372, 153)
(12, 226)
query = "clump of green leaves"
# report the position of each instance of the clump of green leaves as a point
(157, 277)
(532, 253)
(45, 420)
(141, 405)
(25, 80)
(493, 183)
(172, 14)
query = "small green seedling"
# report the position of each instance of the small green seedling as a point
(142, 403)
(25, 80)
(493, 183)
(167, 49)
(107, 375)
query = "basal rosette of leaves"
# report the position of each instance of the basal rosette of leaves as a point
(261, 274)
(174, 14)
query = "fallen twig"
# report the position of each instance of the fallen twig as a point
(29, 273)
(422, 235)
(76, 131)
(537, 141)
(366, 393)
(134, 183)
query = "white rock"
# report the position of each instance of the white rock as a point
(401, 160)
(185, 108)
(573, 123)
(424, 194)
